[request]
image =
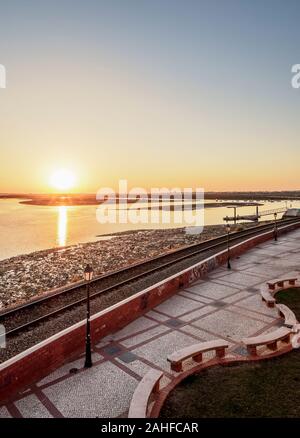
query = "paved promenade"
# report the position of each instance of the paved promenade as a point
(226, 305)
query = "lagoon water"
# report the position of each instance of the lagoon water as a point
(27, 228)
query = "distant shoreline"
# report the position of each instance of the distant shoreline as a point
(220, 198)
(77, 203)
(86, 200)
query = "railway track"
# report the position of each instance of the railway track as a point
(29, 315)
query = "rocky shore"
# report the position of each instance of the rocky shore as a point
(28, 276)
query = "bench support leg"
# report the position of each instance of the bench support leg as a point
(176, 367)
(286, 339)
(271, 286)
(198, 357)
(220, 352)
(292, 282)
(280, 283)
(272, 346)
(270, 304)
(156, 387)
(252, 350)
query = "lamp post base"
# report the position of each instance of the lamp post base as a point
(88, 355)
(88, 363)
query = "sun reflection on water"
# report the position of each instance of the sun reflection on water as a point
(62, 225)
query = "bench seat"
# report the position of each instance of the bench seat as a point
(140, 399)
(289, 317)
(267, 297)
(195, 351)
(270, 340)
(280, 282)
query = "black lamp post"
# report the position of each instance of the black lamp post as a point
(88, 275)
(228, 248)
(275, 227)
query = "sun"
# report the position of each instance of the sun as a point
(62, 179)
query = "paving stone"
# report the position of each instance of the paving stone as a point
(236, 297)
(198, 313)
(252, 289)
(138, 367)
(201, 281)
(251, 313)
(138, 325)
(102, 391)
(65, 369)
(157, 351)
(214, 290)
(290, 245)
(243, 279)
(255, 302)
(142, 337)
(270, 251)
(194, 297)
(287, 264)
(219, 303)
(177, 305)
(247, 265)
(127, 357)
(232, 326)
(266, 271)
(32, 407)
(157, 316)
(4, 412)
(199, 297)
(203, 335)
(174, 322)
(218, 274)
(112, 350)
(251, 257)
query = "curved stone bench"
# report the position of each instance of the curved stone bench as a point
(289, 317)
(195, 352)
(280, 282)
(270, 340)
(140, 399)
(267, 297)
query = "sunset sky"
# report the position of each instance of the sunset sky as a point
(168, 93)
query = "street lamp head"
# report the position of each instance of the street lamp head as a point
(88, 273)
(275, 215)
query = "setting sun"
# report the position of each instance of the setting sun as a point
(62, 179)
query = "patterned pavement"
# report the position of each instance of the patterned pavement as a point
(226, 305)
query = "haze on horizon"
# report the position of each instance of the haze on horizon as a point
(161, 93)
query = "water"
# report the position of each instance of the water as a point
(27, 228)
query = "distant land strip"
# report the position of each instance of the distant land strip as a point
(90, 199)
